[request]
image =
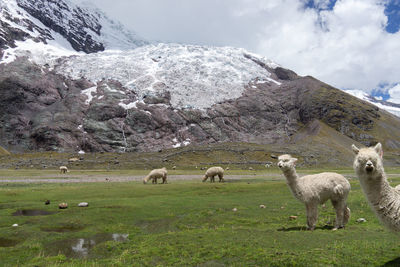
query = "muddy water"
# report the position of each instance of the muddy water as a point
(63, 228)
(5, 242)
(32, 213)
(82, 247)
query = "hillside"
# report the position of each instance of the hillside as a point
(3, 151)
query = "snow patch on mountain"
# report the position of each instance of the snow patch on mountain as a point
(195, 76)
(88, 92)
(37, 52)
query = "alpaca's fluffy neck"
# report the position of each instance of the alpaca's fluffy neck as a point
(376, 187)
(384, 199)
(292, 180)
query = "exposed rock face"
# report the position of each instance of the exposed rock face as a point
(42, 110)
(74, 24)
(85, 29)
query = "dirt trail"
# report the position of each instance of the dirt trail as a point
(91, 178)
(115, 178)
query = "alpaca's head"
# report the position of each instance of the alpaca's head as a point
(286, 162)
(204, 178)
(368, 161)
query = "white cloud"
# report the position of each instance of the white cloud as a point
(346, 47)
(394, 93)
(351, 50)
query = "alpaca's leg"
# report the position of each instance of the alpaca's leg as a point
(221, 178)
(312, 215)
(164, 179)
(212, 179)
(340, 206)
(346, 215)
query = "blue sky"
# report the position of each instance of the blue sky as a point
(350, 44)
(392, 11)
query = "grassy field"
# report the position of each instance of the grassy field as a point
(183, 223)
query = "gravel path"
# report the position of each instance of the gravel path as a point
(84, 178)
(113, 178)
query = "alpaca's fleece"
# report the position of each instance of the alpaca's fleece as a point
(212, 172)
(383, 199)
(63, 169)
(155, 174)
(317, 189)
(397, 187)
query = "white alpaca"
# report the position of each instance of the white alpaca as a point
(63, 169)
(317, 189)
(155, 174)
(212, 172)
(383, 199)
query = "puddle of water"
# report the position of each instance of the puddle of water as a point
(32, 213)
(81, 247)
(157, 226)
(5, 242)
(63, 228)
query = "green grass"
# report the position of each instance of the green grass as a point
(186, 223)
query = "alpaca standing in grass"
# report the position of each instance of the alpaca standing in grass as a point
(63, 169)
(212, 172)
(317, 189)
(383, 199)
(155, 174)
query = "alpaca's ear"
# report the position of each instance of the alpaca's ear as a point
(294, 160)
(355, 149)
(378, 149)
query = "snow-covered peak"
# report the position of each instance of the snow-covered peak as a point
(82, 29)
(18, 25)
(195, 76)
(388, 106)
(113, 34)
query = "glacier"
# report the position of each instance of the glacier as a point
(195, 76)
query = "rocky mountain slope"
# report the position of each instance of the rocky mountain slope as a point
(61, 96)
(62, 24)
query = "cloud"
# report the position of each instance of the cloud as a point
(345, 45)
(394, 93)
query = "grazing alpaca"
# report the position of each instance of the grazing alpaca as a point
(213, 171)
(383, 199)
(155, 174)
(63, 169)
(317, 189)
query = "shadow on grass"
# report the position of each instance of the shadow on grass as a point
(395, 262)
(303, 228)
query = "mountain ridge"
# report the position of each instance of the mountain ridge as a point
(161, 96)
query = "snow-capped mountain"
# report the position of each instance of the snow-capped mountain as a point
(388, 106)
(71, 79)
(62, 24)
